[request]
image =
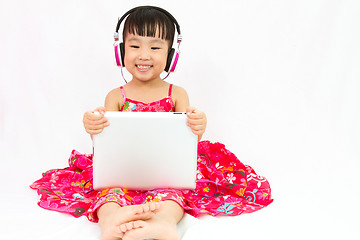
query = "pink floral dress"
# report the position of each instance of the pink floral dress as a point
(225, 186)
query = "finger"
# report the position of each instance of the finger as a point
(96, 127)
(196, 121)
(92, 116)
(196, 115)
(196, 127)
(190, 110)
(97, 124)
(101, 121)
(198, 132)
(94, 132)
(193, 126)
(101, 110)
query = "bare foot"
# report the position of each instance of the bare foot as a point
(154, 228)
(131, 225)
(112, 216)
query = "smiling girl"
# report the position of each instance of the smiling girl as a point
(224, 185)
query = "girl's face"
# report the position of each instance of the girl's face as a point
(145, 57)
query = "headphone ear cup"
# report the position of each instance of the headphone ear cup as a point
(117, 54)
(169, 59)
(174, 61)
(122, 54)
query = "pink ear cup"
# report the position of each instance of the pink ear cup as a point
(173, 65)
(117, 57)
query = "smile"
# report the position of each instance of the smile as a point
(143, 66)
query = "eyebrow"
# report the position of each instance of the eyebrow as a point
(155, 40)
(133, 38)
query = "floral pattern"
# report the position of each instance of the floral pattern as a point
(163, 105)
(225, 186)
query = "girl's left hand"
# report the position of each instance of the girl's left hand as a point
(196, 121)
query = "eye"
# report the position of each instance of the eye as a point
(134, 46)
(155, 48)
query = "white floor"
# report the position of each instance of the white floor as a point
(326, 213)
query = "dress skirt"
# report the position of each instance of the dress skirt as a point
(225, 186)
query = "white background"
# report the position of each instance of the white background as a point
(278, 80)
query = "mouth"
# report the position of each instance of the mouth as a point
(143, 68)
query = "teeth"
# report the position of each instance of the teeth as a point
(143, 67)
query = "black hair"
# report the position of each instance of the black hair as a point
(150, 22)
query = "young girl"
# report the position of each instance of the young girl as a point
(224, 185)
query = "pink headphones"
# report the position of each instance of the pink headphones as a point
(173, 55)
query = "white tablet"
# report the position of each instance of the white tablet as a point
(145, 150)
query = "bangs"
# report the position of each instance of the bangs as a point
(149, 23)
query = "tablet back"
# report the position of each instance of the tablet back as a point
(145, 150)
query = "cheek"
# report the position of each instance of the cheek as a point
(163, 59)
(128, 57)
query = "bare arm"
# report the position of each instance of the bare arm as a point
(114, 100)
(181, 99)
(95, 123)
(196, 119)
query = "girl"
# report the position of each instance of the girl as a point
(224, 186)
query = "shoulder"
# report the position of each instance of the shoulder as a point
(180, 98)
(114, 99)
(114, 93)
(178, 91)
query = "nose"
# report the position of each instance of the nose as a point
(144, 54)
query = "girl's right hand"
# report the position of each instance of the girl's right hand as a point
(95, 123)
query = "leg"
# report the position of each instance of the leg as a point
(163, 225)
(111, 216)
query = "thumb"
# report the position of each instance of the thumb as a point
(190, 110)
(101, 110)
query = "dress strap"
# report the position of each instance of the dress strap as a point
(170, 88)
(123, 93)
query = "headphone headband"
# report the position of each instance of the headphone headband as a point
(177, 26)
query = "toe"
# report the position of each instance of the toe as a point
(140, 231)
(129, 226)
(123, 227)
(139, 224)
(152, 206)
(156, 206)
(137, 209)
(146, 207)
